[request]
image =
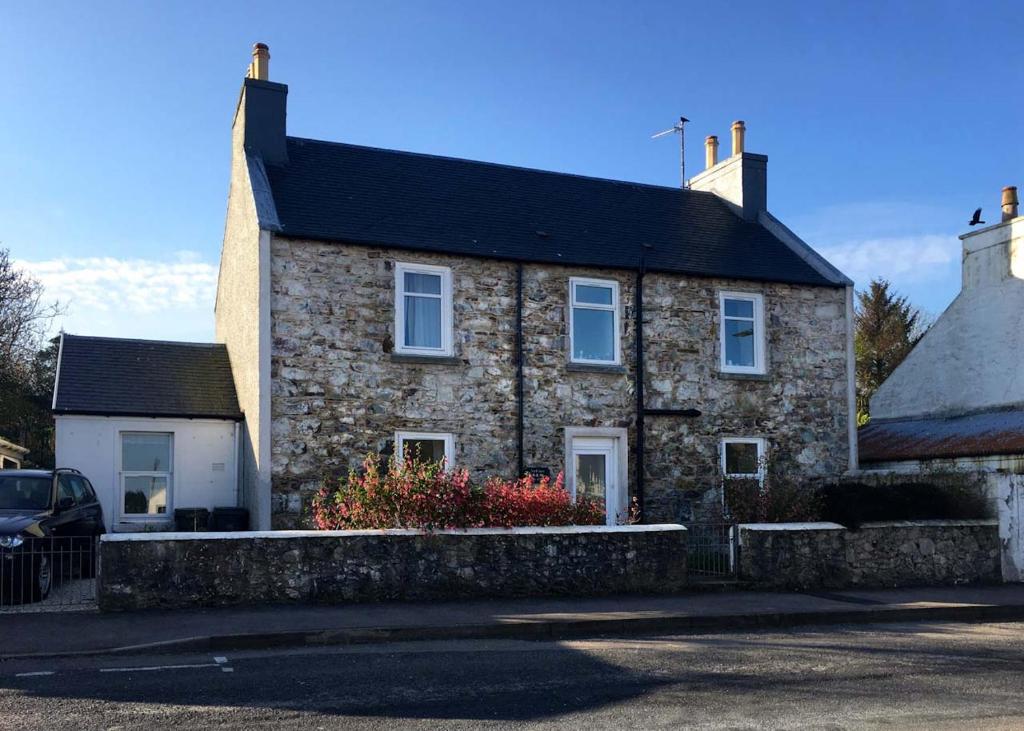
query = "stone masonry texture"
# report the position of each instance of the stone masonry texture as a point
(382, 565)
(879, 555)
(339, 393)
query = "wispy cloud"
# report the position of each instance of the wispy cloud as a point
(912, 245)
(906, 259)
(145, 298)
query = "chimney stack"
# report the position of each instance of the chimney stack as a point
(738, 131)
(260, 116)
(259, 67)
(1010, 202)
(710, 151)
(741, 180)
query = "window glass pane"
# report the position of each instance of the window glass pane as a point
(25, 493)
(593, 336)
(424, 450)
(145, 495)
(422, 283)
(422, 322)
(739, 308)
(78, 487)
(740, 458)
(146, 452)
(591, 477)
(593, 294)
(64, 489)
(739, 343)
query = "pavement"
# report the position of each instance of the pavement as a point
(58, 634)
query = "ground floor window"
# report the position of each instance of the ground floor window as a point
(743, 457)
(425, 446)
(595, 467)
(146, 474)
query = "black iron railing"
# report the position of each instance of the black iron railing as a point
(49, 573)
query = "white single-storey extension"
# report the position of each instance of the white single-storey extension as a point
(11, 455)
(154, 426)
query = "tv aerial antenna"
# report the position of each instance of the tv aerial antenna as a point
(677, 128)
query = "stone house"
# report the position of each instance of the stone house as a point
(644, 340)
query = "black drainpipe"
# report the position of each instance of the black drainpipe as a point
(519, 370)
(638, 308)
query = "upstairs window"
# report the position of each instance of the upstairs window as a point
(742, 332)
(594, 321)
(423, 309)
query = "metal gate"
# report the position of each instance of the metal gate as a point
(52, 573)
(712, 550)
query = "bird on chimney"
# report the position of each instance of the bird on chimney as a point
(976, 218)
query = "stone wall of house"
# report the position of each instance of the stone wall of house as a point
(799, 406)
(826, 555)
(187, 569)
(339, 392)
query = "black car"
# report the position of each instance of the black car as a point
(49, 520)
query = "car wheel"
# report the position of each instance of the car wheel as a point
(39, 580)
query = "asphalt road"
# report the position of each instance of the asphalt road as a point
(927, 676)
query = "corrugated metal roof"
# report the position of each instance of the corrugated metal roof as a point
(970, 435)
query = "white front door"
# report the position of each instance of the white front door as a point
(594, 473)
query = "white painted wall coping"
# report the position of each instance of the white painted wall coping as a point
(540, 530)
(791, 526)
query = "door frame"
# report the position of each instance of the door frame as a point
(619, 437)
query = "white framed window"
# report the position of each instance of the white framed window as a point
(147, 475)
(741, 328)
(594, 321)
(743, 457)
(426, 446)
(423, 309)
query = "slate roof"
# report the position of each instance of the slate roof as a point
(972, 435)
(362, 195)
(114, 376)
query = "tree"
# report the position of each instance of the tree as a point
(887, 328)
(27, 363)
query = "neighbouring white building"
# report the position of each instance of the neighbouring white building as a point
(154, 426)
(957, 402)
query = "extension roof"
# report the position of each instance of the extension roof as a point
(120, 377)
(362, 195)
(982, 434)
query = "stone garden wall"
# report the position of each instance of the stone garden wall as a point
(827, 555)
(173, 570)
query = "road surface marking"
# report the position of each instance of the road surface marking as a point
(36, 674)
(151, 668)
(224, 667)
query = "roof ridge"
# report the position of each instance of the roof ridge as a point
(507, 166)
(144, 340)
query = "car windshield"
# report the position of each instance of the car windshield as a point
(24, 493)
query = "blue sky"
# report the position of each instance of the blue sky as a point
(885, 124)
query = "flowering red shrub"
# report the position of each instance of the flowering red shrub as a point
(511, 503)
(414, 494)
